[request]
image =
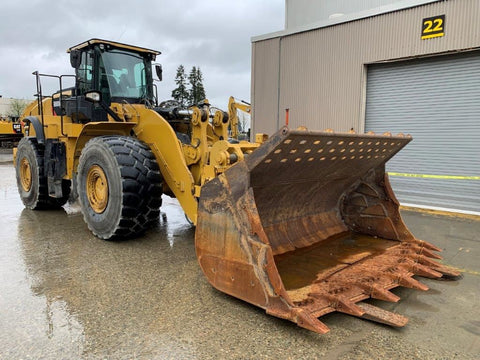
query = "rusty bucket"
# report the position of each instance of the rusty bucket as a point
(308, 224)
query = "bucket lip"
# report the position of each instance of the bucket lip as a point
(287, 131)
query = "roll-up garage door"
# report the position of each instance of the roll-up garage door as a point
(437, 101)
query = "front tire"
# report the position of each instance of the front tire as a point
(119, 186)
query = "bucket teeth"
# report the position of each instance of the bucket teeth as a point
(429, 253)
(445, 270)
(377, 314)
(411, 283)
(448, 271)
(419, 250)
(307, 321)
(428, 245)
(377, 292)
(424, 271)
(414, 266)
(373, 277)
(422, 259)
(349, 307)
(339, 303)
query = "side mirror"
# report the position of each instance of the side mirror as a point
(75, 58)
(93, 97)
(159, 71)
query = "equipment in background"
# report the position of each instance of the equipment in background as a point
(10, 133)
(233, 107)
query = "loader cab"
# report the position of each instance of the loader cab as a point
(122, 73)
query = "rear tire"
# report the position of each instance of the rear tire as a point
(119, 186)
(31, 181)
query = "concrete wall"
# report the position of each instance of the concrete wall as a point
(5, 104)
(320, 75)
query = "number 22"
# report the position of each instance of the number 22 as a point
(430, 28)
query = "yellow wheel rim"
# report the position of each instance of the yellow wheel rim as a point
(25, 174)
(97, 189)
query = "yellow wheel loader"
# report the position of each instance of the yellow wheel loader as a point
(10, 133)
(301, 224)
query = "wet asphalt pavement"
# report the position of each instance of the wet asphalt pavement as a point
(65, 294)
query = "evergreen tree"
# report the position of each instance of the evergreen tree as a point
(180, 93)
(197, 91)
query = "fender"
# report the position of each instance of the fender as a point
(94, 129)
(37, 125)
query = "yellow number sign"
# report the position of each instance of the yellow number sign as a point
(433, 27)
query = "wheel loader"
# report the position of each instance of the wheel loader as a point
(301, 224)
(10, 133)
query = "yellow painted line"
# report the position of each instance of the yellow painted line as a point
(432, 36)
(466, 271)
(429, 176)
(441, 212)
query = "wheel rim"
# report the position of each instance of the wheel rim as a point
(97, 189)
(25, 174)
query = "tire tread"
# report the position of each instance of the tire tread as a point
(141, 186)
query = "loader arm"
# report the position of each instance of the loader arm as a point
(159, 135)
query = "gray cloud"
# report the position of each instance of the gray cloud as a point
(212, 34)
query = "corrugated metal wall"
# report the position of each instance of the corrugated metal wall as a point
(437, 101)
(320, 74)
(265, 68)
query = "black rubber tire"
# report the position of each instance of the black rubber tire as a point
(134, 186)
(36, 198)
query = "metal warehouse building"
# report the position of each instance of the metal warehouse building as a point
(377, 65)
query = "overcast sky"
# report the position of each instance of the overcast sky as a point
(212, 34)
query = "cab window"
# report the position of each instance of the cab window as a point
(124, 74)
(85, 72)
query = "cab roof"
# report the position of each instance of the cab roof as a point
(90, 42)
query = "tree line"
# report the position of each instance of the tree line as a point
(189, 90)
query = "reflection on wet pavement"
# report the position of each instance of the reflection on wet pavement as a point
(72, 275)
